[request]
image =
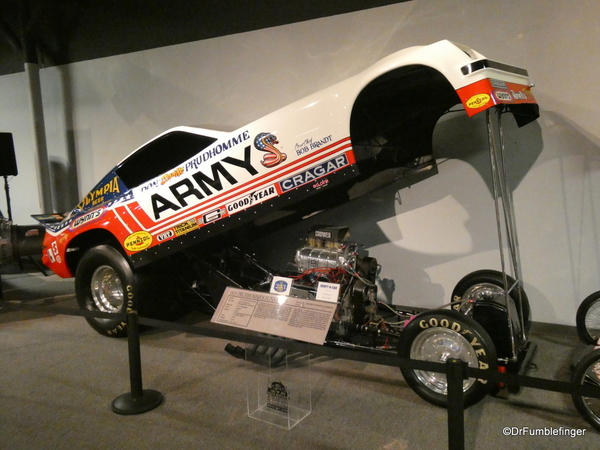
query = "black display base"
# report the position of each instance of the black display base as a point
(126, 404)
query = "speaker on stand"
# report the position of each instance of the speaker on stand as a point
(8, 165)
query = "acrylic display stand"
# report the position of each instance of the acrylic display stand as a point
(279, 387)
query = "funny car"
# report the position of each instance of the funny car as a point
(172, 217)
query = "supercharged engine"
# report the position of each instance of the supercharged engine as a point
(328, 256)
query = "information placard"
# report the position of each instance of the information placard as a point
(289, 317)
(328, 292)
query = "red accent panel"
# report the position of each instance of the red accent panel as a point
(484, 94)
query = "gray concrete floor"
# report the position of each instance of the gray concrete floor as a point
(58, 379)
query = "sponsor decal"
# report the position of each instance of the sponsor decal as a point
(166, 235)
(185, 227)
(217, 149)
(212, 216)
(320, 184)
(100, 194)
(53, 253)
(199, 185)
(503, 96)
(486, 93)
(280, 286)
(499, 84)
(193, 224)
(87, 218)
(150, 185)
(506, 96)
(252, 198)
(323, 234)
(314, 173)
(309, 144)
(519, 95)
(138, 241)
(50, 256)
(167, 176)
(303, 147)
(265, 142)
(196, 162)
(478, 101)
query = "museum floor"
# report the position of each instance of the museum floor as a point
(58, 379)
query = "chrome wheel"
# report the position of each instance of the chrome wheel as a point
(588, 319)
(440, 335)
(592, 321)
(107, 292)
(591, 404)
(478, 292)
(439, 345)
(483, 291)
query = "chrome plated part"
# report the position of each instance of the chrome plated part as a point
(439, 345)
(592, 321)
(313, 257)
(591, 404)
(505, 217)
(107, 291)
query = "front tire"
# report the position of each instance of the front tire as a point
(587, 372)
(588, 319)
(439, 335)
(105, 282)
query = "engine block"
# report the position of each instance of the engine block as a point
(328, 256)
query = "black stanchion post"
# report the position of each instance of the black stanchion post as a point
(455, 374)
(138, 400)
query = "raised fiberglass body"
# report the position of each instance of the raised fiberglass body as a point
(190, 184)
(165, 224)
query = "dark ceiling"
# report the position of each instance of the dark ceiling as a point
(55, 32)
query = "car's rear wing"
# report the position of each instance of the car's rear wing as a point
(46, 219)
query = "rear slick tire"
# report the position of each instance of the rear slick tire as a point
(437, 336)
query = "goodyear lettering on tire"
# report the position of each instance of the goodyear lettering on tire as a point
(129, 290)
(480, 351)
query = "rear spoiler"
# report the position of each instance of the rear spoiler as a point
(48, 219)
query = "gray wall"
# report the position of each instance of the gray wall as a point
(426, 237)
